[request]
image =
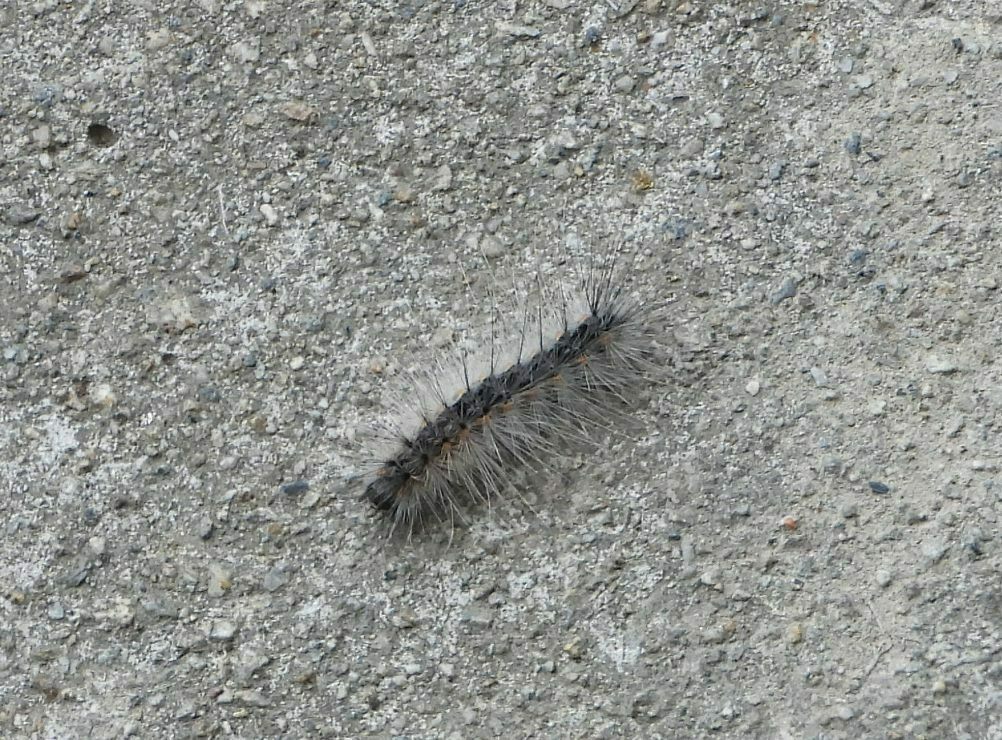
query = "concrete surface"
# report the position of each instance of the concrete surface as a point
(227, 227)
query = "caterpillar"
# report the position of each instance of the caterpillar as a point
(569, 369)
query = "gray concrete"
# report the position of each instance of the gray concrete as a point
(226, 228)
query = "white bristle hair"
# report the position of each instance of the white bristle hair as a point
(560, 369)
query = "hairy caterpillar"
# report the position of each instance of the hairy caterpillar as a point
(568, 369)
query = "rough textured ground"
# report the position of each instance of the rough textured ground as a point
(226, 227)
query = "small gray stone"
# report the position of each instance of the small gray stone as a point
(913, 517)
(863, 82)
(820, 379)
(719, 633)
(157, 39)
(624, 84)
(844, 713)
(156, 605)
(19, 215)
(275, 578)
(222, 630)
(269, 213)
(478, 616)
(16, 353)
(210, 394)
(711, 578)
(518, 31)
(443, 179)
(249, 662)
(219, 580)
(741, 510)
(795, 633)
(660, 38)
(246, 52)
(786, 291)
(47, 94)
(404, 619)
(205, 528)
(933, 552)
(106, 46)
(940, 365)
(735, 207)
(972, 543)
(854, 143)
(252, 698)
(42, 137)
(692, 148)
(295, 488)
(832, 465)
(78, 571)
(492, 247)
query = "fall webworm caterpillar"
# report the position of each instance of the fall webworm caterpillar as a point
(568, 367)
